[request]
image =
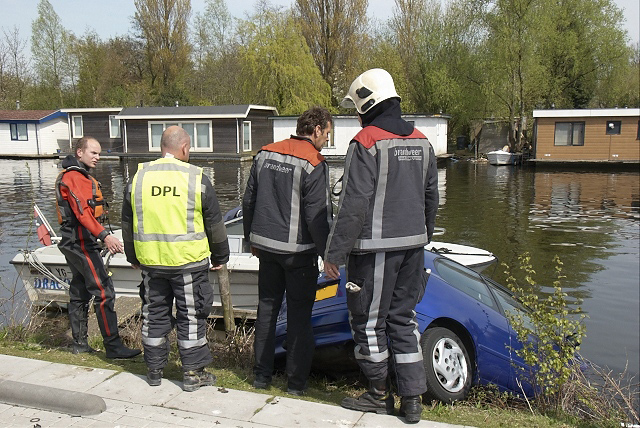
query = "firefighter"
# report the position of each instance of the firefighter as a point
(81, 210)
(173, 230)
(386, 215)
(287, 213)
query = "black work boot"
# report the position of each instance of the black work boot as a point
(154, 377)
(82, 347)
(377, 399)
(194, 379)
(116, 349)
(411, 408)
(78, 319)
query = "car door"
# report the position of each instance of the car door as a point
(484, 320)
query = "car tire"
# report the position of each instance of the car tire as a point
(447, 365)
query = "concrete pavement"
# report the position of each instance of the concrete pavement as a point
(37, 393)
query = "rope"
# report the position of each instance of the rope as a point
(33, 261)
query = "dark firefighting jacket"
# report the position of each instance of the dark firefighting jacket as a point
(390, 195)
(286, 206)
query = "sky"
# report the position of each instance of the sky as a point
(110, 18)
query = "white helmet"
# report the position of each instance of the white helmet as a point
(370, 88)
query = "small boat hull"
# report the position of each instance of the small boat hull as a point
(46, 275)
(500, 157)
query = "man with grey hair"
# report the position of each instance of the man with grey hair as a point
(173, 230)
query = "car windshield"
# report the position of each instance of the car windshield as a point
(464, 279)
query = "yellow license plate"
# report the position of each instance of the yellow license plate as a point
(327, 292)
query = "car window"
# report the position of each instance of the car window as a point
(512, 306)
(465, 280)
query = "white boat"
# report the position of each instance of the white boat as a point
(501, 157)
(46, 275)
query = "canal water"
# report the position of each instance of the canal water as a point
(590, 219)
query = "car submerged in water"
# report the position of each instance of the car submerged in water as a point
(466, 338)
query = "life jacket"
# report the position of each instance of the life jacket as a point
(97, 203)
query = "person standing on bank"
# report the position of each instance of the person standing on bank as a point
(286, 217)
(81, 210)
(173, 230)
(386, 215)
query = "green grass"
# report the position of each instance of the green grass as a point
(48, 339)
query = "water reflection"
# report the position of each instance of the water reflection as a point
(589, 219)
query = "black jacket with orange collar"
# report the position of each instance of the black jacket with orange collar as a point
(286, 205)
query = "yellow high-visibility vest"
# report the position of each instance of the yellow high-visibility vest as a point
(168, 228)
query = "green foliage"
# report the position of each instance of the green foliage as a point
(550, 331)
(278, 69)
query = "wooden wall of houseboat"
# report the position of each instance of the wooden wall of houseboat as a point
(261, 129)
(226, 133)
(597, 144)
(97, 125)
(137, 136)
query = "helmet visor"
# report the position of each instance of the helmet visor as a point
(347, 102)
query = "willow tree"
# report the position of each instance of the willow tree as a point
(278, 68)
(335, 31)
(163, 26)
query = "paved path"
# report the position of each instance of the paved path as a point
(30, 389)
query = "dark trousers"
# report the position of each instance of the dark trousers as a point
(297, 274)
(193, 296)
(90, 278)
(383, 313)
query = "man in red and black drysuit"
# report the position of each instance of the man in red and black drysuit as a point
(81, 209)
(386, 216)
(287, 213)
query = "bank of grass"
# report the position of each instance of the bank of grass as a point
(48, 338)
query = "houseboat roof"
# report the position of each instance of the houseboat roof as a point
(192, 112)
(29, 115)
(91, 110)
(598, 112)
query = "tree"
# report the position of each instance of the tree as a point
(215, 78)
(50, 49)
(163, 27)
(335, 31)
(278, 67)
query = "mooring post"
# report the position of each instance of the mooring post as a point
(225, 298)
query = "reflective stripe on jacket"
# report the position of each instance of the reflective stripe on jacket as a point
(168, 228)
(286, 205)
(389, 198)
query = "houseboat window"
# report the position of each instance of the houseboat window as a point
(246, 136)
(76, 127)
(331, 141)
(638, 136)
(569, 134)
(156, 133)
(190, 128)
(613, 127)
(19, 131)
(202, 130)
(199, 132)
(114, 127)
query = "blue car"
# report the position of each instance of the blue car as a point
(466, 338)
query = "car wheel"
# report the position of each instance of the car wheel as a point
(446, 364)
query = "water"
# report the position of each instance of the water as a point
(589, 219)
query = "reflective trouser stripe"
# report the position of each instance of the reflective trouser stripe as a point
(161, 289)
(391, 284)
